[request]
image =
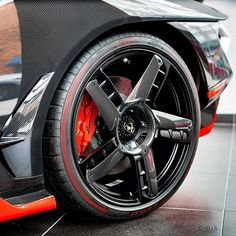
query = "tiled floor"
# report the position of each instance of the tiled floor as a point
(204, 205)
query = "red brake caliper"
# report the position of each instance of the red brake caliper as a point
(85, 124)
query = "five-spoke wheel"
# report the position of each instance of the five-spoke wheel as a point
(128, 128)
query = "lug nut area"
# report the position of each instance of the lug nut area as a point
(133, 128)
(127, 127)
(136, 128)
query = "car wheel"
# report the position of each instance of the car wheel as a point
(122, 128)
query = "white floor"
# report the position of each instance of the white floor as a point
(228, 99)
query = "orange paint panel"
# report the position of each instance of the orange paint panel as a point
(217, 89)
(10, 212)
(207, 129)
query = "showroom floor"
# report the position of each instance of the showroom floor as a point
(204, 205)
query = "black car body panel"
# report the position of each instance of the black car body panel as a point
(53, 47)
(52, 34)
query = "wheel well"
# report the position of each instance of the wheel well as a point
(181, 44)
(185, 49)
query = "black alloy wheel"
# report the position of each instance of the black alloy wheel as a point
(123, 126)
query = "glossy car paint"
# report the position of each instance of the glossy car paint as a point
(46, 37)
(10, 211)
(167, 10)
(205, 40)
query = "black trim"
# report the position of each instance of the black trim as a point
(29, 195)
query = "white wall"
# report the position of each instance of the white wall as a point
(228, 99)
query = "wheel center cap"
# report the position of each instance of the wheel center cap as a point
(129, 127)
(136, 128)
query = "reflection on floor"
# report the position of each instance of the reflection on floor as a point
(204, 204)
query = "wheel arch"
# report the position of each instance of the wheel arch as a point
(160, 29)
(157, 29)
(164, 31)
(182, 46)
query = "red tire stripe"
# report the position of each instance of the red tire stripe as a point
(64, 141)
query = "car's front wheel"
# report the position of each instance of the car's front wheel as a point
(122, 128)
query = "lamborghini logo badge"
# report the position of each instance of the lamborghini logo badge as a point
(129, 127)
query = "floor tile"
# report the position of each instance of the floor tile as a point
(233, 157)
(233, 165)
(161, 222)
(200, 191)
(231, 194)
(229, 224)
(213, 152)
(225, 118)
(32, 225)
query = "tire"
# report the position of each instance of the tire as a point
(130, 162)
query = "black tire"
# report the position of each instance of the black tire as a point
(61, 156)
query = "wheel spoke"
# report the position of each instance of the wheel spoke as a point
(144, 85)
(106, 82)
(94, 156)
(146, 176)
(141, 132)
(160, 82)
(108, 107)
(173, 127)
(105, 166)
